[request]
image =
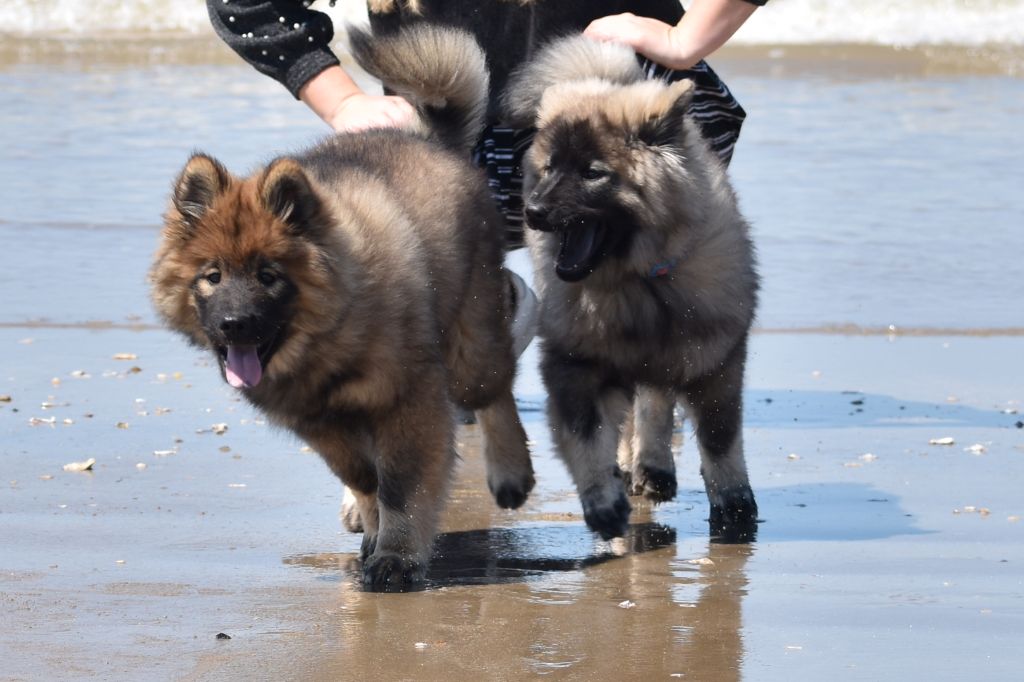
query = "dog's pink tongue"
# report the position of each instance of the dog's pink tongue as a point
(243, 369)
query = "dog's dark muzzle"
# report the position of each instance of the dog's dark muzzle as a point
(538, 217)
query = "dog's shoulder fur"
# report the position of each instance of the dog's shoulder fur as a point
(590, 101)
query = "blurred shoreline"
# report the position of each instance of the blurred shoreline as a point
(820, 330)
(834, 60)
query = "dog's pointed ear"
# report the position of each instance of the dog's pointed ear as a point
(665, 125)
(286, 192)
(201, 181)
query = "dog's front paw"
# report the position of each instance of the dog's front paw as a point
(733, 518)
(657, 485)
(386, 571)
(606, 510)
(511, 493)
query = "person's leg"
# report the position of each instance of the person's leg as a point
(500, 154)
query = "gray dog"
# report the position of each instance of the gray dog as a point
(646, 275)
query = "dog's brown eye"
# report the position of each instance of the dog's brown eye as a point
(594, 173)
(266, 277)
(213, 277)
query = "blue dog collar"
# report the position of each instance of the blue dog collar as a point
(662, 269)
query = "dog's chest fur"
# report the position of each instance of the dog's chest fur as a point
(650, 330)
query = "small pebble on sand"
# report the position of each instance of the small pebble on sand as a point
(80, 466)
(945, 440)
(626, 604)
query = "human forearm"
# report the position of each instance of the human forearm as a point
(291, 44)
(283, 40)
(326, 92)
(705, 27)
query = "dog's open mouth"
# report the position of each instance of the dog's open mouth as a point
(581, 248)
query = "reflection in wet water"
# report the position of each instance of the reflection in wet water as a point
(499, 555)
(543, 599)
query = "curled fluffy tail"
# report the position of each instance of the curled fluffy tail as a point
(572, 58)
(441, 70)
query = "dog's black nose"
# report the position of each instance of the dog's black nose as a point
(238, 327)
(536, 215)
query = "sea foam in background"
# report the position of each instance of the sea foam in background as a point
(883, 22)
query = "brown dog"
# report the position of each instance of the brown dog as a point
(353, 302)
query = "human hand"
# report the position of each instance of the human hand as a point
(360, 111)
(342, 104)
(656, 40)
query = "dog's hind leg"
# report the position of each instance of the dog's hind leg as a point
(481, 373)
(585, 414)
(350, 518)
(509, 470)
(715, 404)
(645, 448)
(369, 516)
(627, 450)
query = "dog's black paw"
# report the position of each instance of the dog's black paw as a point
(657, 485)
(512, 494)
(607, 513)
(389, 572)
(734, 520)
(510, 497)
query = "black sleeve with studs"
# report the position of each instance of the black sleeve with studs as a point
(285, 40)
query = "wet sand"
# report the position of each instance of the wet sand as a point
(880, 555)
